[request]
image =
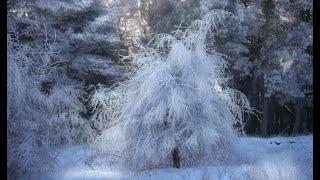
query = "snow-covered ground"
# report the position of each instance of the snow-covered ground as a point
(256, 158)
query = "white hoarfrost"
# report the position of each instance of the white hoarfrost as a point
(176, 97)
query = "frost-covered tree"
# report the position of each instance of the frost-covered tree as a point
(288, 71)
(268, 44)
(39, 121)
(55, 49)
(175, 103)
(84, 31)
(58, 47)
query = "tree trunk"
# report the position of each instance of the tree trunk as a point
(298, 116)
(285, 119)
(266, 117)
(253, 97)
(176, 158)
(267, 7)
(273, 119)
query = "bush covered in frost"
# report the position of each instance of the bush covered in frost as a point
(38, 120)
(176, 98)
